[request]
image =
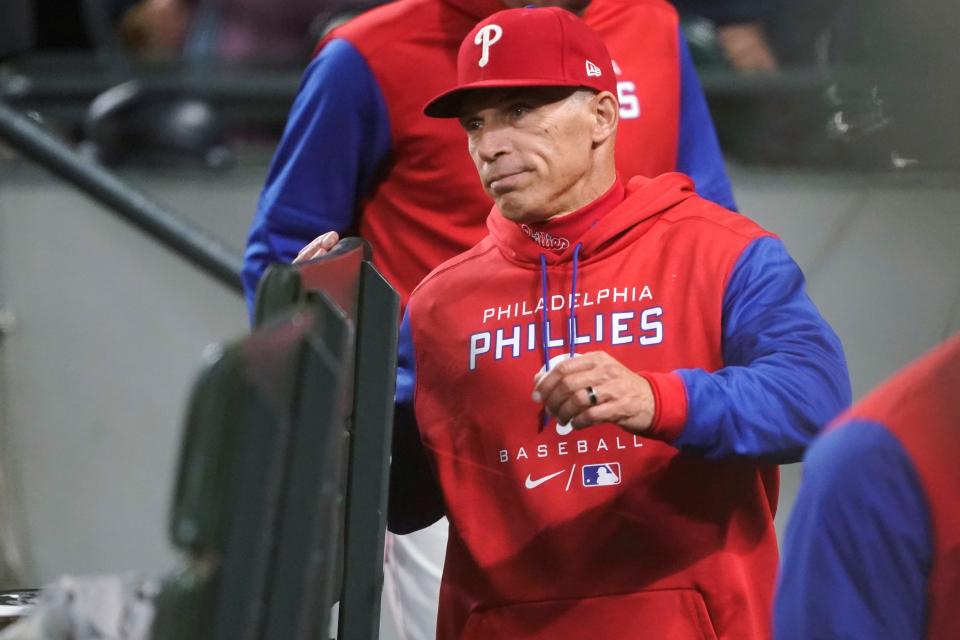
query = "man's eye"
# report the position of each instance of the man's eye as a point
(473, 124)
(519, 110)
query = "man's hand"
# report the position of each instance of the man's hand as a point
(156, 27)
(622, 397)
(318, 247)
(745, 46)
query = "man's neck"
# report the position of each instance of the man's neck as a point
(588, 194)
(560, 232)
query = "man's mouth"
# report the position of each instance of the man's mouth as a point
(507, 181)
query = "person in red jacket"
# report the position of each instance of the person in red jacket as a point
(358, 155)
(873, 545)
(598, 393)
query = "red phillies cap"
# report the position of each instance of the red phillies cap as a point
(546, 47)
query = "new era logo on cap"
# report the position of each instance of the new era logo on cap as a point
(546, 47)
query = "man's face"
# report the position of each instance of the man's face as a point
(532, 147)
(576, 6)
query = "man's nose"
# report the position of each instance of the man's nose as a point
(492, 143)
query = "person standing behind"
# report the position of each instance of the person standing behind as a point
(357, 155)
(873, 544)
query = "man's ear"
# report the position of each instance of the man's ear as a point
(606, 111)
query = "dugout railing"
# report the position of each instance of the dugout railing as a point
(371, 308)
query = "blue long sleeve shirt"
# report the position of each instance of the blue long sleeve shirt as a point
(858, 551)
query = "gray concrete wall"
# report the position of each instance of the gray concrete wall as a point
(881, 254)
(110, 328)
(109, 332)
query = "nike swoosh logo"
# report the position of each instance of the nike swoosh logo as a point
(533, 484)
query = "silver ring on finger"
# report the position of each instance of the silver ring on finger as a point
(591, 394)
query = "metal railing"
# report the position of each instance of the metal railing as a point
(169, 228)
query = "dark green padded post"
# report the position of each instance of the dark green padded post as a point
(308, 544)
(257, 493)
(349, 279)
(279, 290)
(206, 502)
(366, 509)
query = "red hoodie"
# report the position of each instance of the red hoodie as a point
(601, 533)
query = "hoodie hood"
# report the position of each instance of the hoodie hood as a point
(646, 198)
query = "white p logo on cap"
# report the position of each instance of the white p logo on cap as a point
(487, 37)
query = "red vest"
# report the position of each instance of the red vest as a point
(921, 407)
(432, 197)
(595, 533)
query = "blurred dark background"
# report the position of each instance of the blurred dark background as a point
(816, 83)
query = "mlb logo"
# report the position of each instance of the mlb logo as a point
(601, 475)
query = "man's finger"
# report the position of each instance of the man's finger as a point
(605, 412)
(318, 246)
(576, 403)
(330, 239)
(308, 251)
(546, 383)
(569, 385)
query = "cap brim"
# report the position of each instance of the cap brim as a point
(447, 104)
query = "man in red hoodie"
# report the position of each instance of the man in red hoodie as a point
(358, 156)
(672, 355)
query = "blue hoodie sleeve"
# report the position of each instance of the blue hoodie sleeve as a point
(415, 498)
(698, 150)
(784, 373)
(858, 549)
(336, 138)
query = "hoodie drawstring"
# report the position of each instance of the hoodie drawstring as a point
(544, 329)
(544, 332)
(543, 313)
(573, 298)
